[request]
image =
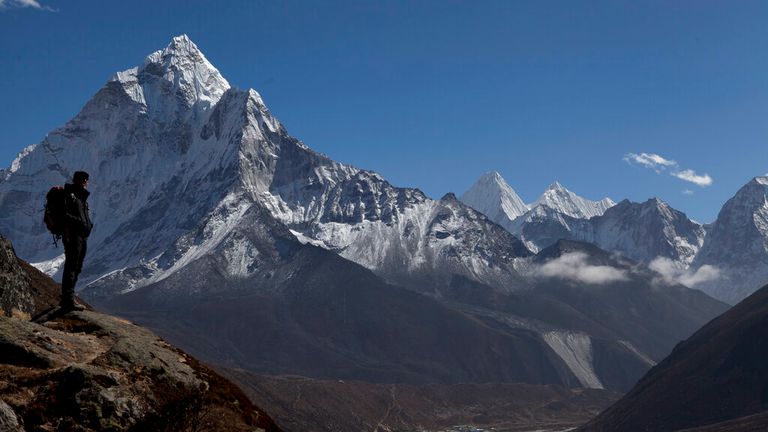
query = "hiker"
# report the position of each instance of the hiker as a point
(77, 228)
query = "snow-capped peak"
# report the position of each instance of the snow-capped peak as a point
(763, 180)
(556, 186)
(492, 196)
(181, 63)
(559, 198)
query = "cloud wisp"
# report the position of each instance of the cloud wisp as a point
(650, 160)
(671, 273)
(691, 176)
(575, 266)
(34, 4)
(661, 164)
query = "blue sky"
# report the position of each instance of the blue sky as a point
(434, 94)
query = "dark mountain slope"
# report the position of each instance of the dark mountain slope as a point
(719, 373)
(323, 316)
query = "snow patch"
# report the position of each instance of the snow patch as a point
(16, 164)
(303, 239)
(51, 266)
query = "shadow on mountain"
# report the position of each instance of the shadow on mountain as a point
(717, 375)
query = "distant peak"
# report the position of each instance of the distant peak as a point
(180, 46)
(184, 65)
(492, 175)
(656, 201)
(182, 38)
(492, 196)
(560, 199)
(556, 186)
(450, 196)
(763, 180)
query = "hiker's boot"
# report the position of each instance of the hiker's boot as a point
(70, 305)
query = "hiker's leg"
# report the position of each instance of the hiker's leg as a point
(83, 247)
(68, 278)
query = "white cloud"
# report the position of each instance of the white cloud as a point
(574, 266)
(671, 272)
(660, 163)
(5, 4)
(691, 176)
(650, 160)
(687, 192)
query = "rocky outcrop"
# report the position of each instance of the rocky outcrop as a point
(86, 371)
(92, 372)
(24, 291)
(13, 302)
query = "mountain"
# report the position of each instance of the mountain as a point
(226, 235)
(88, 371)
(543, 226)
(648, 230)
(737, 242)
(558, 198)
(727, 259)
(324, 316)
(717, 375)
(177, 157)
(493, 197)
(557, 214)
(607, 294)
(641, 231)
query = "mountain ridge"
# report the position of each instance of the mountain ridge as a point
(706, 257)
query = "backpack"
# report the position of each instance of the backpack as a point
(54, 212)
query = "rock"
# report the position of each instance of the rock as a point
(8, 420)
(15, 295)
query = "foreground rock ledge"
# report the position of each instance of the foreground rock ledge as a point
(86, 371)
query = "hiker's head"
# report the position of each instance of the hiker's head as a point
(80, 178)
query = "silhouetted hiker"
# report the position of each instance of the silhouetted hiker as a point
(77, 228)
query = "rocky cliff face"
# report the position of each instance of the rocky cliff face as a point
(648, 230)
(24, 291)
(738, 243)
(13, 302)
(85, 371)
